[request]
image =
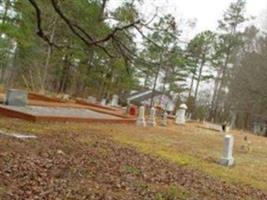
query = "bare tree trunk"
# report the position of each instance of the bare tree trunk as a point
(191, 86)
(154, 86)
(64, 76)
(48, 57)
(200, 74)
(214, 96)
(221, 84)
(146, 80)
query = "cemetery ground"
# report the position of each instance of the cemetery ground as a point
(115, 161)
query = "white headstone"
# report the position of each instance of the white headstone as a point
(152, 117)
(141, 122)
(164, 121)
(91, 99)
(227, 157)
(180, 114)
(103, 102)
(115, 100)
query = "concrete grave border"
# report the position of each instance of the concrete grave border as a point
(37, 118)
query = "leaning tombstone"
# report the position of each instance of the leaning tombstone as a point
(15, 97)
(115, 100)
(141, 122)
(227, 157)
(180, 114)
(152, 117)
(164, 121)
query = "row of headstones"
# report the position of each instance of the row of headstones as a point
(114, 101)
(180, 116)
(227, 157)
(141, 121)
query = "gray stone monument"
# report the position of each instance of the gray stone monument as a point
(180, 114)
(164, 121)
(103, 102)
(152, 117)
(141, 122)
(227, 157)
(115, 100)
(91, 99)
(16, 97)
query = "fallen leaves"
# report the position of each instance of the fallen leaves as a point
(62, 166)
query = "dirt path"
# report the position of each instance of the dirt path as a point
(63, 166)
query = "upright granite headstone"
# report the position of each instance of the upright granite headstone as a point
(227, 157)
(141, 122)
(103, 102)
(91, 99)
(164, 121)
(115, 100)
(152, 117)
(15, 97)
(180, 114)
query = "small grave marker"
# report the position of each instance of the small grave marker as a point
(164, 121)
(227, 157)
(141, 122)
(91, 99)
(152, 117)
(103, 102)
(180, 114)
(115, 100)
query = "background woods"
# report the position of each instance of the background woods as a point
(85, 47)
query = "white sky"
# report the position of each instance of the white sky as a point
(205, 12)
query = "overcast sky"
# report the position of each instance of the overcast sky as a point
(205, 12)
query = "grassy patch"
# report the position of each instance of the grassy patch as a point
(172, 193)
(132, 170)
(189, 146)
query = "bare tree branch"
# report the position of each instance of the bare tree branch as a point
(102, 11)
(40, 31)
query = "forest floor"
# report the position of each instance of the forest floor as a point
(106, 161)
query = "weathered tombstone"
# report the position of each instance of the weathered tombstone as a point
(91, 99)
(180, 114)
(103, 102)
(16, 97)
(115, 100)
(141, 122)
(227, 157)
(164, 121)
(152, 117)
